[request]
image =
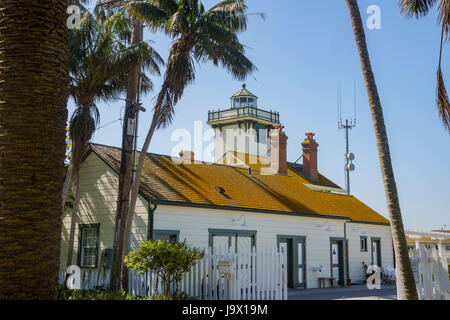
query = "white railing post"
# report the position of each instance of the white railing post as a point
(443, 266)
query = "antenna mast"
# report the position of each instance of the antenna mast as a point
(348, 125)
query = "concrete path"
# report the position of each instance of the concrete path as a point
(355, 292)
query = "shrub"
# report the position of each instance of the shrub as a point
(168, 260)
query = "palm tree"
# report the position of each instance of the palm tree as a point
(405, 280)
(99, 61)
(198, 35)
(420, 8)
(33, 90)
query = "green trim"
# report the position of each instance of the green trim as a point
(157, 232)
(233, 208)
(387, 224)
(150, 220)
(360, 243)
(231, 233)
(345, 259)
(293, 259)
(80, 235)
(372, 240)
(219, 207)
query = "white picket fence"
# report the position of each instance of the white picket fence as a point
(252, 274)
(92, 279)
(430, 267)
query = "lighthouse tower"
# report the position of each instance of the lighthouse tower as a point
(242, 128)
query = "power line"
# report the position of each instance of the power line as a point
(120, 119)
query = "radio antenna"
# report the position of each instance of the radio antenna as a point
(348, 125)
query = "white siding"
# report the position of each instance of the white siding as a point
(356, 257)
(99, 185)
(193, 224)
(98, 204)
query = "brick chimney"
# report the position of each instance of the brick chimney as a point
(187, 155)
(278, 141)
(310, 157)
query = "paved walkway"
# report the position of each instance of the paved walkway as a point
(355, 292)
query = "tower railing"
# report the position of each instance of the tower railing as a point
(244, 112)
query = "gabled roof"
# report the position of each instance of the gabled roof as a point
(196, 183)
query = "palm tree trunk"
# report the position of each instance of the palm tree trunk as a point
(119, 271)
(66, 185)
(405, 278)
(73, 221)
(33, 115)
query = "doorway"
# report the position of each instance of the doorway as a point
(376, 251)
(295, 249)
(337, 260)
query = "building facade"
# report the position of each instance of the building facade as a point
(244, 199)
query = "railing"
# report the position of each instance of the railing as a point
(243, 112)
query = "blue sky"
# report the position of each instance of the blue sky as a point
(302, 50)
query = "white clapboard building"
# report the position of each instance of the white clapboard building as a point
(251, 196)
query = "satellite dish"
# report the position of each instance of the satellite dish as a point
(350, 156)
(350, 167)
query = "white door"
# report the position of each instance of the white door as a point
(301, 263)
(375, 253)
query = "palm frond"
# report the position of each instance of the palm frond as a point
(416, 8)
(82, 125)
(442, 96)
(444, 16)
(152, 13)
(142, 52)
(201, 35)
(442, 100)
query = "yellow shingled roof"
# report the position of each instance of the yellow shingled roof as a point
(198, 182)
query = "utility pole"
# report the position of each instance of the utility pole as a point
(348, 125)
(125, 172)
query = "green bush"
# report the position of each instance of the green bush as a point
(168, 260)
(97, 295)
(109, 295)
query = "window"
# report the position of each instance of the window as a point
(261, 133)
(236, 239)
(363, 244)
(167, 235)
(447, 247)
(88, 245)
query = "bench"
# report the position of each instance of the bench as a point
(323, 279)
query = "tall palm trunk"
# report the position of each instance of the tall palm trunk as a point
(66, 185)
(73, 221)
(405, 279)
(33, 115)
(119, 271)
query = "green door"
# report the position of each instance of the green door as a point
(295, 249)
(337, 261)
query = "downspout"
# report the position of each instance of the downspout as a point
(346, 274)
(151, 218)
